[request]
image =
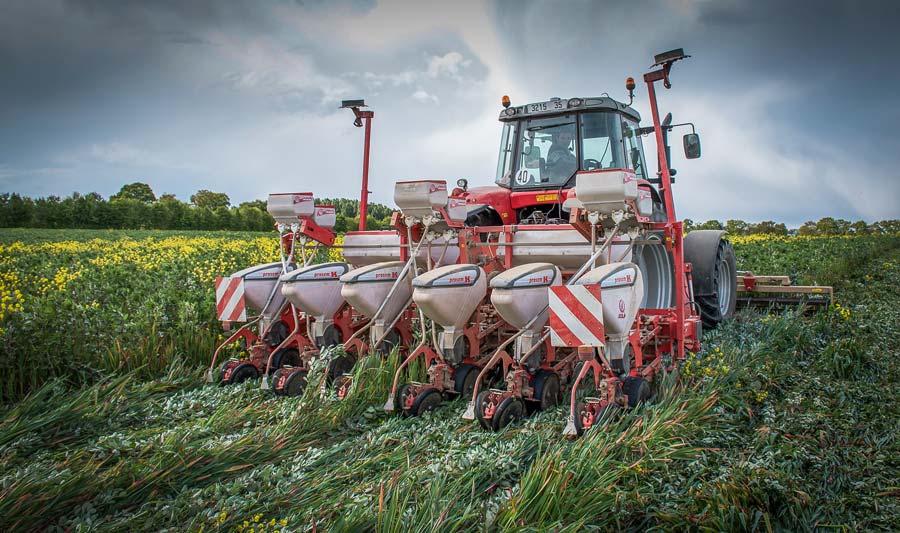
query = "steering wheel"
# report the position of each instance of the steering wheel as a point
(592, 164)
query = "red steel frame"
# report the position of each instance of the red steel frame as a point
(366, 117)
(260, 354)
(656, 331)
(670, 330)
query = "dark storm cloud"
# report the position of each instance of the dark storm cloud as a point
(796, 101)
(187, 95)
(813, 82)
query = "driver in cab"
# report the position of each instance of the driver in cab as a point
(561, 161)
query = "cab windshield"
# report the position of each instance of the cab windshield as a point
(546, 152)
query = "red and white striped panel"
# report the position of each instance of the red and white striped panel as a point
(230, 300)
(576, 316)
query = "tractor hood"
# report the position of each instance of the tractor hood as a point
(475, 194)
(490, 197)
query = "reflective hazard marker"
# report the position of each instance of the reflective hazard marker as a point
(576, 316)
(230, 300)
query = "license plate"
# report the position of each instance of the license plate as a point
(543, 107)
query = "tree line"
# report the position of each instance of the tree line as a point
(824, 226)
(136, 206)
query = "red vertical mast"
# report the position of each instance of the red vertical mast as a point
(362, 116)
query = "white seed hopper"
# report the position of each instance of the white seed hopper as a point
(260, 288)
(368, 287)
(449, 295)
(521, 296)
(621, 292)
(316, 290)
(288, 207)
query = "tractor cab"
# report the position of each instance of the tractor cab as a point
(543, 146)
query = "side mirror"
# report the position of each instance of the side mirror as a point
(667, 120)
(692, 146)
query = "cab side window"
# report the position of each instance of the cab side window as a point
(601, 141)
(634, 149)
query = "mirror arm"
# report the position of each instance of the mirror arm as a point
(650, 129)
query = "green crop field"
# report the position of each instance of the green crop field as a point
(783, 421)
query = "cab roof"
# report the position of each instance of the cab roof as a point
(556, 106)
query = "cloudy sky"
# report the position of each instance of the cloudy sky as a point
(797, 103)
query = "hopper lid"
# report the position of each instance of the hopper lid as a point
(321, 272)
(449, 276)
(387, 271)
(612, 275)
(526, 276)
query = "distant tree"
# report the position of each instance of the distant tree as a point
(859, 227)
(807, 229)
(710, 224)
(259, 204)
(843, 226)
(254, 216)
(827, 226)
(769, 227)
(887, 227)
(210, 200)
(16, 211)
(736, 227)
(135, 191)
(132, 209)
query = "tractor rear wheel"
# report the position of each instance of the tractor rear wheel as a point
(714, 274)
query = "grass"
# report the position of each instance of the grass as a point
(782, 422)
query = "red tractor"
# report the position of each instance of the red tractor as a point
(578, 236)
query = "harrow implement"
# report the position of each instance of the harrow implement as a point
(777, 291)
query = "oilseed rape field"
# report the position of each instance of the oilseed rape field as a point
(784, 420)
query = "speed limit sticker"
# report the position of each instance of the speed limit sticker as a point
(522, 177)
